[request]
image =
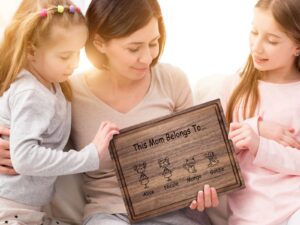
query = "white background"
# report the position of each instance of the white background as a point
(204, 38)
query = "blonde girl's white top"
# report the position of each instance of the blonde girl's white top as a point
(40, 124)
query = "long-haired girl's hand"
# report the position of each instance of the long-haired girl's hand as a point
(205, 199)
(281, 134)
(105, 133)
(5, 162)
(243, 137)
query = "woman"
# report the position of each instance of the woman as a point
(127, 86)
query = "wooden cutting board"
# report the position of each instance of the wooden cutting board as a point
(162, 164)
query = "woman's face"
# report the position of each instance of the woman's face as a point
(130, 57)
(271, 48)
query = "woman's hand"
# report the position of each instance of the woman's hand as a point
(205, 199)
(5, 162)
(279, 133)
(243, 137)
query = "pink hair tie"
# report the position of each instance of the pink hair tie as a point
(43, 12)
(72, 9)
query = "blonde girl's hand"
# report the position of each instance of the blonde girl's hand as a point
(205, 199)
(5, 161)
(105, 133)
(244, 137)
(279, 133)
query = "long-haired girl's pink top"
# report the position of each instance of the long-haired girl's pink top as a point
(272, 178)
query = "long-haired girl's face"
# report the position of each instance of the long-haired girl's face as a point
(271, 48)
(132, 56)
(55, 59)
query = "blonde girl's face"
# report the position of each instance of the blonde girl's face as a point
(130, 57)
(271, 48)
(56, 59)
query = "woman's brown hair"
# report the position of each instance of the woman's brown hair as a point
(119, 18)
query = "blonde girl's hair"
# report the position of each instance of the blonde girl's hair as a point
(246, 95)
(29, 28)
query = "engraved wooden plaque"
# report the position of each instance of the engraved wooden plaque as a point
(163, 163)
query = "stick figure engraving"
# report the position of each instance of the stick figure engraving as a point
(140, 169)
(212, 159)
(164, 163)
(189, 165)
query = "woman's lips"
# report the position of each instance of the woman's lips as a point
(145, 69)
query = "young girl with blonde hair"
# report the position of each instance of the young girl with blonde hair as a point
(39, 52)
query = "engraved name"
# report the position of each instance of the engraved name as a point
(194, 178)
(148, 193)
(171, 185)
(217, 170)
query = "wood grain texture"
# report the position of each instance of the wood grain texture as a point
(163, 163)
